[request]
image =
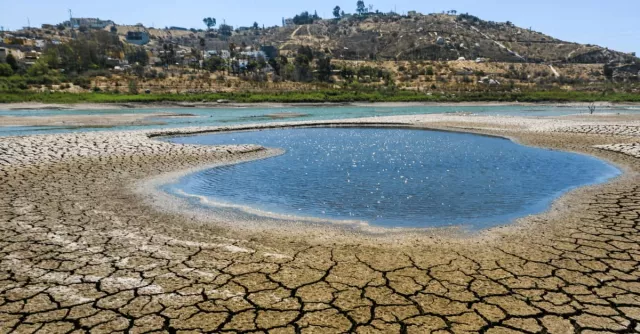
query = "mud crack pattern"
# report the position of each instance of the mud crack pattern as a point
(79, 253)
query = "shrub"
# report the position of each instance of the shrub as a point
(5, 70)
(133, 87)
(429, 70)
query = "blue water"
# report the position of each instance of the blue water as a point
(392, 177)
(233, 116)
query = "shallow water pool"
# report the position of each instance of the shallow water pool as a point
(391, 177)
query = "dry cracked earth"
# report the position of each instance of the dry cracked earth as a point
(81, 252)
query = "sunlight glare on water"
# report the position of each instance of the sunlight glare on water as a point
(393, 177)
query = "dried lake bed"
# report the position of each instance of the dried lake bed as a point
(87, 242)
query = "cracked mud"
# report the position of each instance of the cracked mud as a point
(79, 251)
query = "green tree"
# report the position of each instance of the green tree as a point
(255, 25)
(133, 87)
(304, 18)
(302, 71)
(138, 70)
(39, 68)
(12, 61)
(608, 71)
(429, 70)
(210, 22)
(114, 29)
(139, 56)
(360, 7)
(277, 64)
(324, 69)
(214, 64)
(5, 70)
(226, 30)
(336, 12)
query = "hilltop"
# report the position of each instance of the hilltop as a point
(437, 37)
(412, 37)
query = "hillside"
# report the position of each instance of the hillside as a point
(418, 37)
(436, 37)
(394, 37)
(424, 54)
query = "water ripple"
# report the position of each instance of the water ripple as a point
(393, 177)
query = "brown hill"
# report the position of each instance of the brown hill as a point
(435, 37)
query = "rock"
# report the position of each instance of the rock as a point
(489, 81)
(440, 40)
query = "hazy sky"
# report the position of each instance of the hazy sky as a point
(612, 23)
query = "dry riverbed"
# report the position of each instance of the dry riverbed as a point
(84, 245)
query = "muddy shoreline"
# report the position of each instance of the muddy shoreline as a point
(191, 105)
(80, 249)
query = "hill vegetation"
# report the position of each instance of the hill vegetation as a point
(384, 56)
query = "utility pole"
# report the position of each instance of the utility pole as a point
(70, 19)
(28, 23)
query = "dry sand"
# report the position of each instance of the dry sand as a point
(83, 246)
(106, 120)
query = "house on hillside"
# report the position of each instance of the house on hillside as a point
(287, 22)
(116, 62)
(31, 57)
(224, 54)
(210, 53)
(254, 54)
(4, 52)
(137, 37)
(93, 23)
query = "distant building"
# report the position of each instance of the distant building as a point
(178, 28)
(254, 54)
(13, 40)
(4, 52)
(412, 13)
(210, 53)
(137, 37)
(30, 58)
(93, 23)
(115, 62)
(287, 22)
